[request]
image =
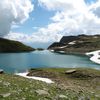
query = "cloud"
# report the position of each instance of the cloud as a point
(95, 8)
(73, 17)
(13, 12)
(62, 4)
(35, 37)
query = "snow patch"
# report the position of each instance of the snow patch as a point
(96, 56)
(72, 43)
(35, 78)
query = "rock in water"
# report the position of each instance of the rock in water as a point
(1, 71)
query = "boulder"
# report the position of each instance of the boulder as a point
(1, 71)
(70, 71)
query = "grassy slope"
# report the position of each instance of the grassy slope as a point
(71, 86)
(13, 46)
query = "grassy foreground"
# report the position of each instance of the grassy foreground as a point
(83, 84)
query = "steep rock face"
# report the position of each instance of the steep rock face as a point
(13, 46)
(67, 39)
(55, 45)
(77, 44)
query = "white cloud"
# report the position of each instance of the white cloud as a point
(60, 5)
(35, 37)
(73, 17)
(13, 12)
(95, 8)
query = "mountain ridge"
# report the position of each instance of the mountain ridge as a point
(77, 44)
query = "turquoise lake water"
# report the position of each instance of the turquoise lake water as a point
(19, 62)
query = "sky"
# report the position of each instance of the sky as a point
(48, 20)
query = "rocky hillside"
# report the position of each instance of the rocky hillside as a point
(13, 46)
(77, 44)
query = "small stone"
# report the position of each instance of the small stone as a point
(81, 98)
(70, 71)
(23, 98)
(6, 84)
(62, 97)
(98, 96)
(6, 95)
(42, 92)
(0, 81)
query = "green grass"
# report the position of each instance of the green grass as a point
(72, 88)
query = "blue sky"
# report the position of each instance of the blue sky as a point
(90, 1)
(48, 20)
(40, 17)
